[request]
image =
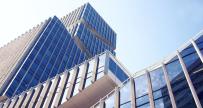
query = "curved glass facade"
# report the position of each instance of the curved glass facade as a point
(167, 83)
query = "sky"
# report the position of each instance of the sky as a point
(147, 30)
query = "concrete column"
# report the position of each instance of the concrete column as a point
(132, 92)
(94, 73)
(13, 102)
(117, 98)
(43, 95)
(35, 96)
(101, 104)
(83, 77)
(61, 89)
(169, 86)
(7, 103)
(20, 100)
(194, 94)
(52, 92)
(151, 100)
(72, 83)
(27, 99)
(197, 50)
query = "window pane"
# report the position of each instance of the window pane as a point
(199, 43)
(117, 71)
(109, 102)
(125, 93)
(141, 90)
(180, 88)
(159, 88)
(194, 67)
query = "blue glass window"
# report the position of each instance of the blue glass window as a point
(180, 88)
(199, 43)
(194, 67)
(117, 71)
(109, 102)
(141, 91)
(125, 95)
(159, 89)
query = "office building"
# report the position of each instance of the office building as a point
(44, 70)
(53, 46)
(78, 87)
(174, 82)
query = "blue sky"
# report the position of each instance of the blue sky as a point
(147, 30)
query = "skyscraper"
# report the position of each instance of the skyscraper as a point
(52, 47)
(63, 63)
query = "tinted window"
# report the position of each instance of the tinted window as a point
(194, 67)
(125, 95)
(141, 90)
(117, 71)
(159, 89)
(180, 88)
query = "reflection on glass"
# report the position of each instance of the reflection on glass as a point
(145, 106)
(91, 65)
(76, 89)
(102, 60)
(125, 95)
(126, 105)
(117, 71)
(99, 75)
(109, 102)
(141, 91)
(81, 70)
(101, 63)
(194, 67)
(180, 88)
(199, 43)
(88, 82)
(159, 88)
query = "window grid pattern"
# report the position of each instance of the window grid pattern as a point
(86, 15)
(180, 87)
(54, 52)
(49, 93)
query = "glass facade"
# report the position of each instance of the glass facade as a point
(117, 71)
(165, 80)
(57, 48)
(141, 91)
(93, 32)
(57, 67)
(125, 96)
(159, 89)
(54, 52)
(56, 90)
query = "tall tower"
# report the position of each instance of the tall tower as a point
(51, 47)
(92, 34)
